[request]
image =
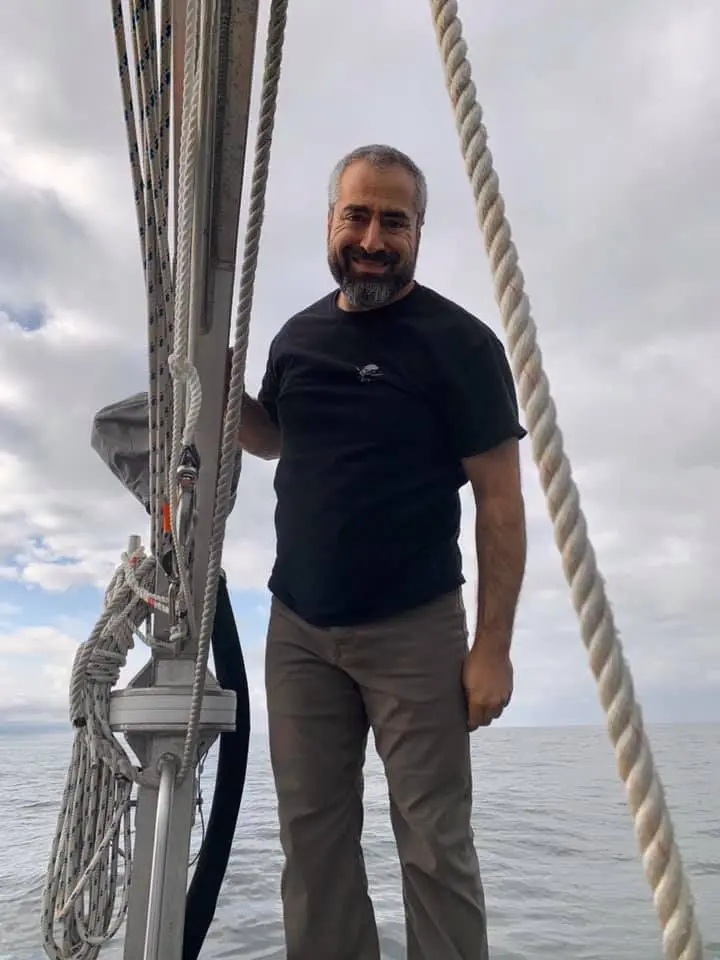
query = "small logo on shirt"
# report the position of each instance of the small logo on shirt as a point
(370, 371)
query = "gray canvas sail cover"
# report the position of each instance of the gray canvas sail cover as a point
(121, 438)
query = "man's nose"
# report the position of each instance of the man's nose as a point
(372, 239)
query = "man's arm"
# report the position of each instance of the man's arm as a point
(258, 435)
(482, 415)
(259, 430)
(500, 536)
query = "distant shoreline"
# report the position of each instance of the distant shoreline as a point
(31, 727)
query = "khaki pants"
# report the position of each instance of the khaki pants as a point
(326, 688)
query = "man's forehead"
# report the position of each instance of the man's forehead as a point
(365, 184)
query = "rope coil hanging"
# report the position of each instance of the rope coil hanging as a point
(653, 827)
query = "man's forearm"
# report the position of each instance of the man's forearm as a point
(501, 552)
(257, 434)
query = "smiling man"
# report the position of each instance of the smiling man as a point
(381, 401)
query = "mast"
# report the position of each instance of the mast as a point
(152, 711)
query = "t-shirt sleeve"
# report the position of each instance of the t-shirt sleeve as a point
(269, 388)
(478, 390)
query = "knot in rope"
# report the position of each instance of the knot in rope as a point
(183, 371)
(180, 367)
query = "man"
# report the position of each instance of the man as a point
(381, 401)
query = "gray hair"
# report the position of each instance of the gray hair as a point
(381, 156)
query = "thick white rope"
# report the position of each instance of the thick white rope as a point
(187, 389)
(189, 146)
(653, 827)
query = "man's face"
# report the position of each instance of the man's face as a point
(373, 234)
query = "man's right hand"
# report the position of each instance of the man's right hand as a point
(257, 434)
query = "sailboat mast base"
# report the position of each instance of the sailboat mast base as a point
(152, 713)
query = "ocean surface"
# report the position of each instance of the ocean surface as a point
(562, 875)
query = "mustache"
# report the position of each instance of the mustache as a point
(382, 257)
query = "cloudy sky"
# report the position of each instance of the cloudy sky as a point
(605, 124)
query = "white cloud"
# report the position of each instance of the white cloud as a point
(604, 125)
(35, 672)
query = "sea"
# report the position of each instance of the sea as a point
(560, 863)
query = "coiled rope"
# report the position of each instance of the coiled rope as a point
(85, 893)
(653, 827)
(86, 889)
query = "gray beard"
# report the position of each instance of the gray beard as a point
(370, 293)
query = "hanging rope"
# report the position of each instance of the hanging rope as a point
(231, 424)
(653, 827)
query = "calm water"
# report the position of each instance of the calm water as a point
(562, 876)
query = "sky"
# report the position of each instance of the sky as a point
(604, 121)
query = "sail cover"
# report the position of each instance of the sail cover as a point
(120, 436)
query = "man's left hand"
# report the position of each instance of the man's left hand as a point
(488, 682)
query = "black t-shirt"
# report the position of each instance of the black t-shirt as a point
(376, 410)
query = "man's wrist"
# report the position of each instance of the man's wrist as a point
(493, 640)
